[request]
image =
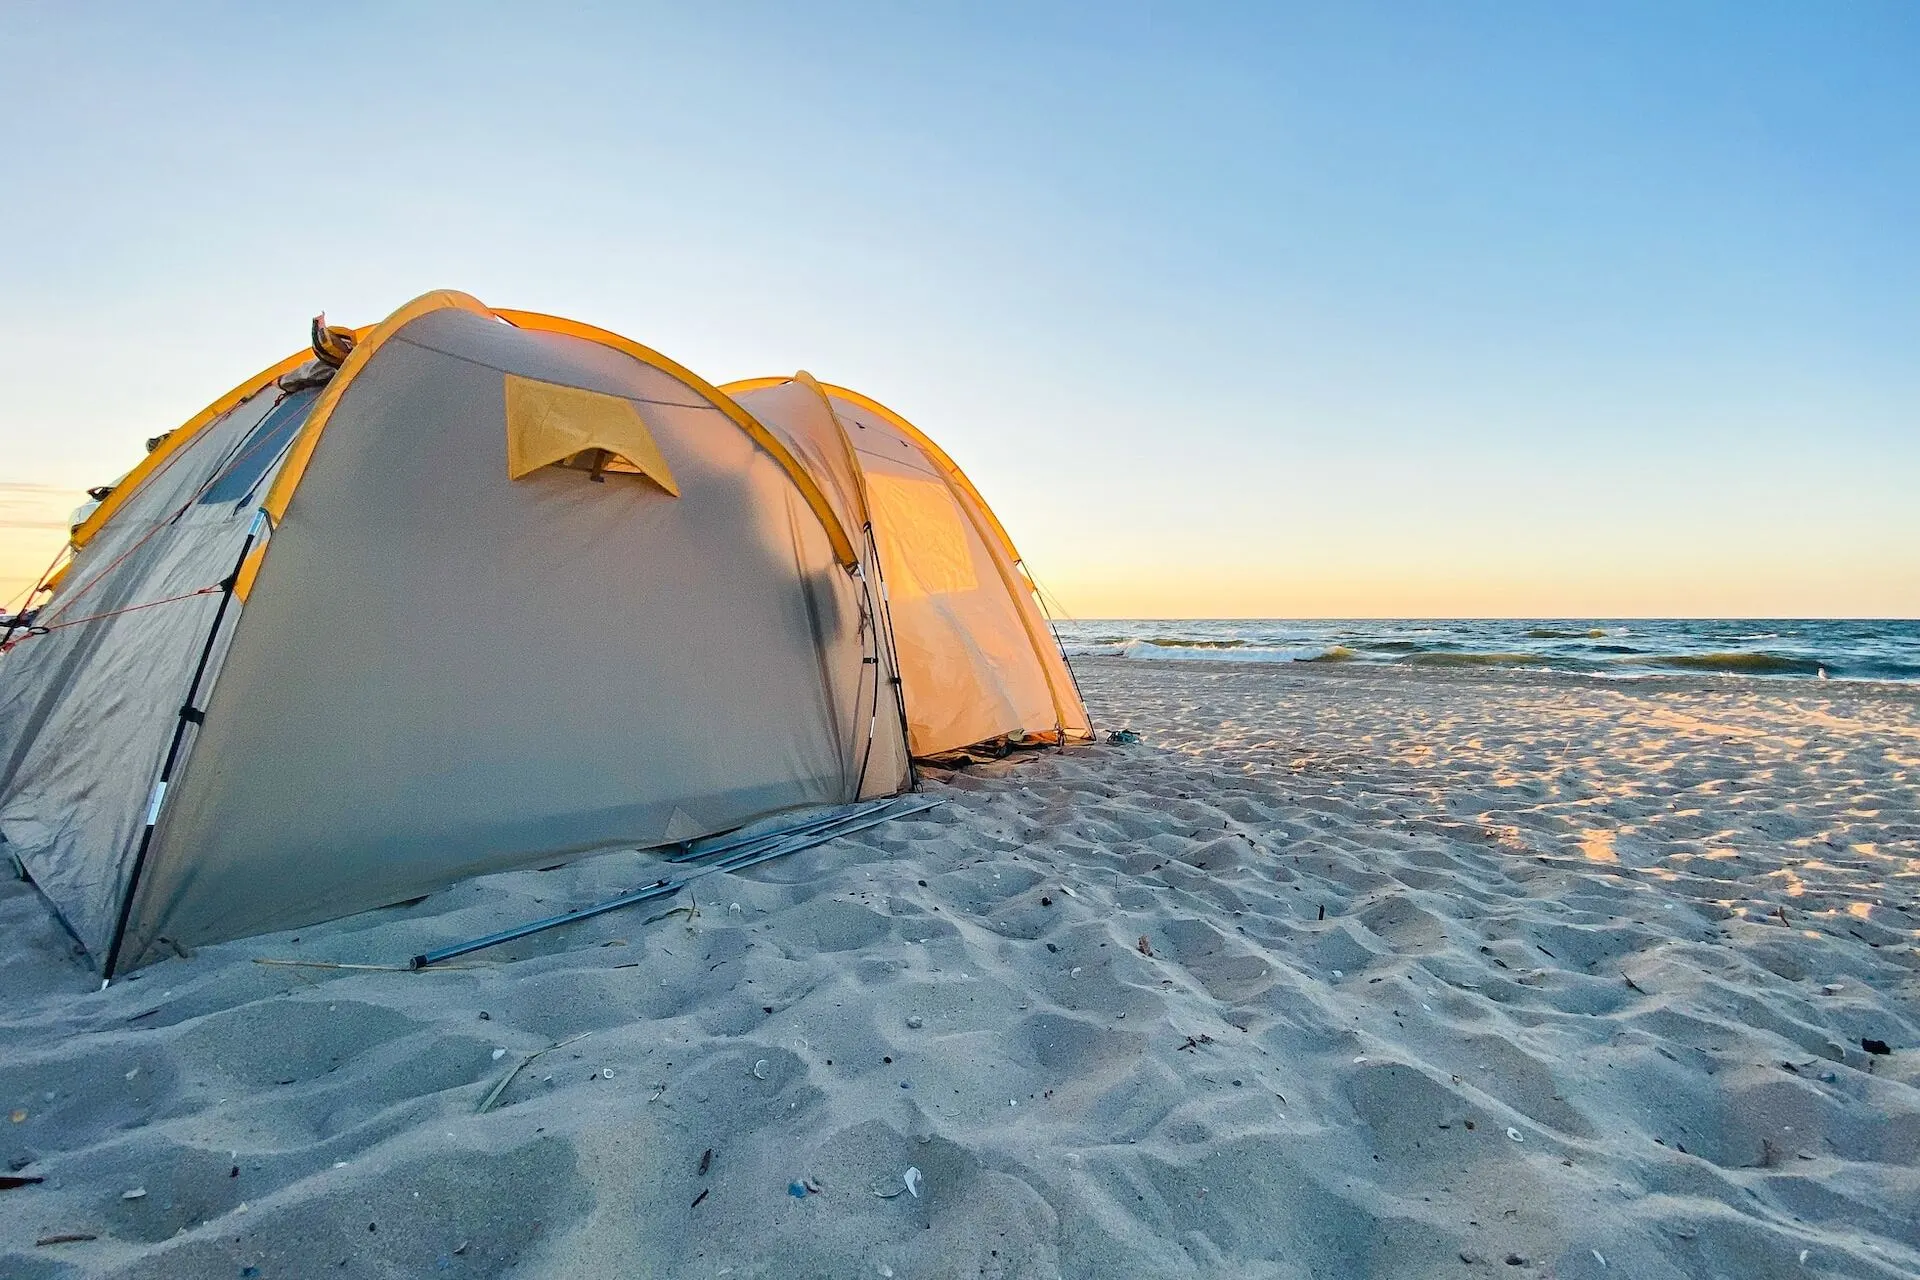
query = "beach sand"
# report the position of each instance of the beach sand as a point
(1337, 972)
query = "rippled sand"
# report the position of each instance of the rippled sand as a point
(1337, 973)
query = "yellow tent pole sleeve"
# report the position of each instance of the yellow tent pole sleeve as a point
(843, 548)
(367, 342)
(846, 443)
(249, 570)
(179, 440)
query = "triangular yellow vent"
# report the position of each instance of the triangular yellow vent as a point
(549, 423)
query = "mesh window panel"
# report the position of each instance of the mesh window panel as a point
(255, 458)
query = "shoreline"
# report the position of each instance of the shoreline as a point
(1684, 681)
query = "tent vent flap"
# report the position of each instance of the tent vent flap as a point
(548, 424)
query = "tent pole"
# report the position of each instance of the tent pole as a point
(188, 715)
(893, 662)
(873, 571)
(872, 625)
(805, 836)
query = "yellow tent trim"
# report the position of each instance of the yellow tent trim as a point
(913, 433)
(846, 443)
(179, 440)
(549, 423)
(249, 570)
(843, 549)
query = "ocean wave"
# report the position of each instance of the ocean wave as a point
(1549, 633)
(1234, 651)
(1168, 642)
(1741, 663)
(1473, 659)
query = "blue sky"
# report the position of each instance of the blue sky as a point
(1517, 308)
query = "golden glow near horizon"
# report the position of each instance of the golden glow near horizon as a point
(1384, 593)
(1090, 574)
(1445, 579)
(1210, 540)
(33, 527)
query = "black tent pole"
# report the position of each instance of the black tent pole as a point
(893, 659)
(188, 715)
(871, 621)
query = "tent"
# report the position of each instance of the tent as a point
(471, 590)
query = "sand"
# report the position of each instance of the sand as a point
(1336, 972)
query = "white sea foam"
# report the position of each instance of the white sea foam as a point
(1147, 650)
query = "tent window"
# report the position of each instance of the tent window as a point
(923, 540)
(549, 424)
(262, 449)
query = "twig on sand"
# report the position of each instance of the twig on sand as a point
(487, 1102)
(690, 911)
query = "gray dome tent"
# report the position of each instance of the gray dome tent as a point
(498, 588)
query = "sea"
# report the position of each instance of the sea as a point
(1635, 648)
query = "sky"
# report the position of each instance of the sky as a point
(1276, 310)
